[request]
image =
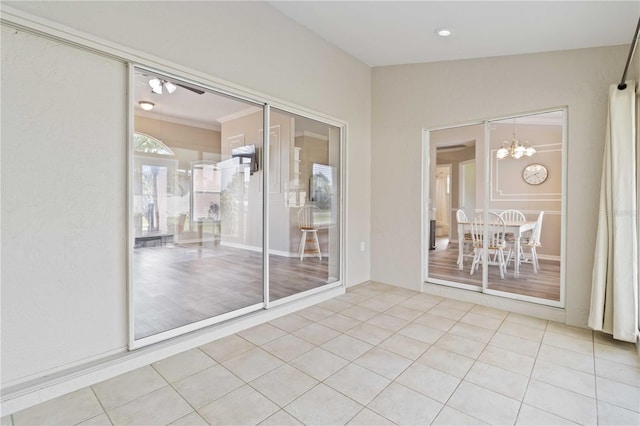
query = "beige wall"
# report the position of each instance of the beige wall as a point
(313, 150)
(266, 58)
(409, 98)
(510, 191)
(248, 130)
(456, 136)
(72, 224)
(179, 135)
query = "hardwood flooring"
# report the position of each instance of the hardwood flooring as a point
(545, 284)
(176, 285)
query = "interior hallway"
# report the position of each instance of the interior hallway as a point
(378, 355)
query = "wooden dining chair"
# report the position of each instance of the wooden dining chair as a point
(309, 231)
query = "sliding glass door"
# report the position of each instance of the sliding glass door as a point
(195, 206)
(304, 205)
(204, 192)
(496, 207)
(454, 184)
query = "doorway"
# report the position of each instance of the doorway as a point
(506, 174)
(443, 205)
(215, 206)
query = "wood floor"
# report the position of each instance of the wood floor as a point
(176, 285)
(545, 284)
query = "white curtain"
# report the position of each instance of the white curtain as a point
(614, 293)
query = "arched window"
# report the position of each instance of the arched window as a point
(149, 144)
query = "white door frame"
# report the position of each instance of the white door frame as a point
(429, 161)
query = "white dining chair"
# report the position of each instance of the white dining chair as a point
(512, 216)
(467, 242)
(533, 243)
(495, 242)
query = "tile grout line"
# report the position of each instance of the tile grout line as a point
(101, 405)
(535, 361)
(559, 387)
(595, 377)
(470, 368)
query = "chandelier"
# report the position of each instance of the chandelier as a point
(515, 149)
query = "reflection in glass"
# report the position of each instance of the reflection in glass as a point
(304, 204)
(527, 192)
(524, 193)
(196, 208)
(454, 186)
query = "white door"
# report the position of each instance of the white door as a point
(468, 187)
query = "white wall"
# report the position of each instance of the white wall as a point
(64, 146)
(408, 98)
(63, 206)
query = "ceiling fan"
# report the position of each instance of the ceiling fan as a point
(161, 86)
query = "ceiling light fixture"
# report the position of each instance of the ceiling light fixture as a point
(443, 32)
(515, 149)
(146, 105)
(157, 85)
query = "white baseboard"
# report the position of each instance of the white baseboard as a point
(18, 398)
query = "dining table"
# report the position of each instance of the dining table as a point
(517, 228)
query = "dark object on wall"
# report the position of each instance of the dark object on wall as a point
(247, 156)
(432, 235)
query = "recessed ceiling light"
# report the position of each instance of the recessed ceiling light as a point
(146, 105)
(443, 32)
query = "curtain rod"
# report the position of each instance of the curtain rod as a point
(634, 43)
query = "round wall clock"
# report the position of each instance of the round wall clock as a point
(535, 174)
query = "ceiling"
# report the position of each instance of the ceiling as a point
(398, 32)
(184, 106)
(205, 110)
(381, 33)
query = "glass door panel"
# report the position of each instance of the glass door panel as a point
(525, 189)
(495, 209)
(455, 183)
(304, 204)
(196, 206)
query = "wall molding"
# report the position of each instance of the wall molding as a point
(498, 194)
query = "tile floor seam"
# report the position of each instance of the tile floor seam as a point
(529, 376)
(347, 396)
(221, 396)
(406, 387)
(559, 387)
(185, 400)
(615, 404)
(137, 397)
(476, 360)
(595, 388)
(567, 390)
(281, 407)
(535, 361)
(612, 353)
(189, 375)
(104, 411)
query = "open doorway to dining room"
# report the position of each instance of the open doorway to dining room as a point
(443, 205)
(502, 183)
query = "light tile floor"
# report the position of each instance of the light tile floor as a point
(377, 355)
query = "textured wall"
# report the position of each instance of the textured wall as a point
(64, 156)
(63, 205)
(409, 98)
